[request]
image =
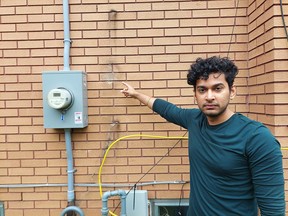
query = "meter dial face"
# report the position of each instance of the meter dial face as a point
(59, 98)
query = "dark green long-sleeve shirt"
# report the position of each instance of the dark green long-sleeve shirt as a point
(235, 166)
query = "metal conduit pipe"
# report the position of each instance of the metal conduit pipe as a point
(72, 208)
(69, 153)
(67, 41)
(89, 184)
(105, 198)
(70, 168)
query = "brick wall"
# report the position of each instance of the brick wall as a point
(267, 51)
(149, 44)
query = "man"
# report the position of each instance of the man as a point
(235, 162)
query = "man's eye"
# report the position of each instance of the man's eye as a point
(218, 89)
(201, 90)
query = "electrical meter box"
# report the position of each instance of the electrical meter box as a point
(65, 99)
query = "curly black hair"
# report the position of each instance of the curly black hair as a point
(202, 68)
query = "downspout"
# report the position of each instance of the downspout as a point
(105, 198)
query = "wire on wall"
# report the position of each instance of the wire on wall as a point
(283, 19)
(133, 136)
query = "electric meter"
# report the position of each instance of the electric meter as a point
(65, 100)
(59, 98)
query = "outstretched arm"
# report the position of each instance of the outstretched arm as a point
(129, 91)
(167, 110)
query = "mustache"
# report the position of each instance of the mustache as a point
(210, 104)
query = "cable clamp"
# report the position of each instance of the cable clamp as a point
(72, 171)
(67, 40)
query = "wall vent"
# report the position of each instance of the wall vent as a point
(169, 207)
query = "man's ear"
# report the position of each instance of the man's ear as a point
(194, 91)
(233, 92)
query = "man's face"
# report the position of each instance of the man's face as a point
(213, 96)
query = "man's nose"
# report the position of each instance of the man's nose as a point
(210, 95)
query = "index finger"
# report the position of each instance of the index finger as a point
(127, 85)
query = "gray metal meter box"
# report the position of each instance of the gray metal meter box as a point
(65, 99)
(137, 203)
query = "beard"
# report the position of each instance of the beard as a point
(215, 112)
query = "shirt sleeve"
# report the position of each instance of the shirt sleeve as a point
(171, 112)
(265, 161)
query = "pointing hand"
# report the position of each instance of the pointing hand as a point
(128, 90)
